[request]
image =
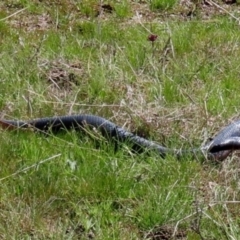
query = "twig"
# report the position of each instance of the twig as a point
(85, 105)
(189, 216)
(32, 166)
(17, 12)
(139, 21)
(133, 71)
(223, 9)
(170, 41)
(37, 50)
(72, 104)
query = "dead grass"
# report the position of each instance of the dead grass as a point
(63, 65)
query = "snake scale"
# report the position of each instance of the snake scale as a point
(221, 146)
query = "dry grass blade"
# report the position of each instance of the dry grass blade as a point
(223, 9)
(13, 14)
(36, 165)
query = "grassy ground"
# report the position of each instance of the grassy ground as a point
(67, 57)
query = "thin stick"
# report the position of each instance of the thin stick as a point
(17, 12)
(226, 11)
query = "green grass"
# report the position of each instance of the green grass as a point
(60, 58)
(162, 4)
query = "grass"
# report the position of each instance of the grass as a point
(161, 4)
(60, 58)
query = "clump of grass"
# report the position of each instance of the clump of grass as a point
(123, 9)
(162, 4)
(89, 8)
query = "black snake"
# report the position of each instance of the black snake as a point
(223, 144)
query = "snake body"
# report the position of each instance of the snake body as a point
(223, 144)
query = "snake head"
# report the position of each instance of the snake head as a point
(219, 150)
